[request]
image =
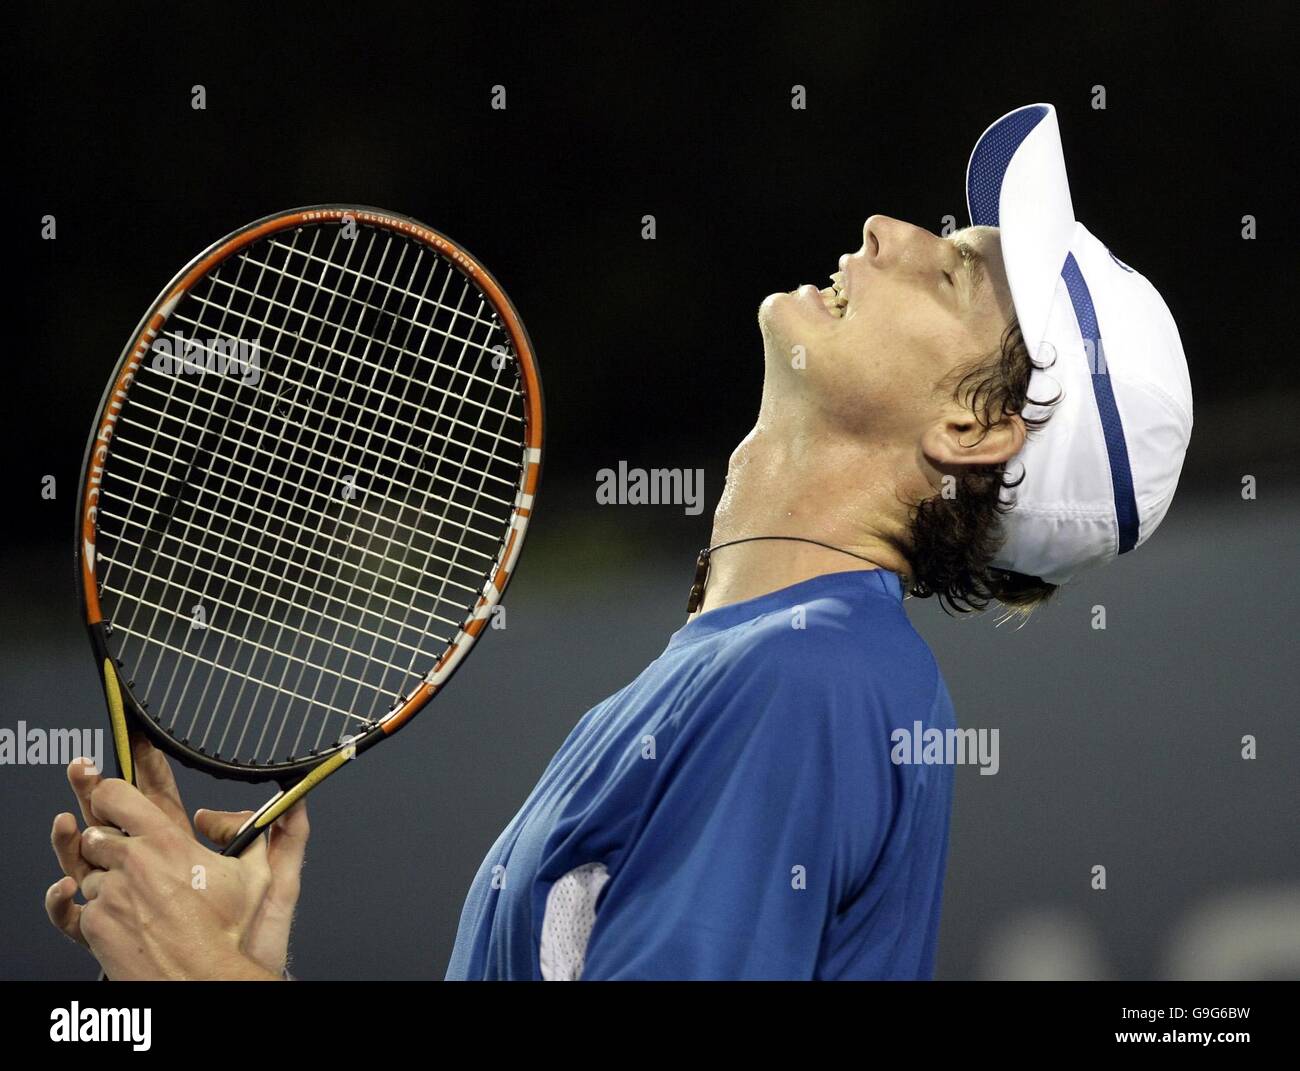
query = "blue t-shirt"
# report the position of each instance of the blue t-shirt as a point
(741, 804)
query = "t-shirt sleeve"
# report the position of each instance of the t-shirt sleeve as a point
(751, 831)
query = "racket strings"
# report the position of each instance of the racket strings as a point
(293, 667)
(287, 550)
(397, 461)
(169, 577)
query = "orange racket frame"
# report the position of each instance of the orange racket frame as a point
(297, 778)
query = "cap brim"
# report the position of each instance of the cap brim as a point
(1016, 181)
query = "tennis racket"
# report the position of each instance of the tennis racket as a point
(305, 491)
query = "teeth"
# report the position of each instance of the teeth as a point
(836, 301)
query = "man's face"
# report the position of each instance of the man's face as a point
(918, 306)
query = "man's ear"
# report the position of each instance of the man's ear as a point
(957, 438)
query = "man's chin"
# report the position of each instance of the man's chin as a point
(776, 315)
(782, 328)
(785, 319)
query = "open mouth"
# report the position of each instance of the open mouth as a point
(835, 296)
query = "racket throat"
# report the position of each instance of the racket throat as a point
(286, 798)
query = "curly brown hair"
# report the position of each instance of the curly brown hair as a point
(953, 540)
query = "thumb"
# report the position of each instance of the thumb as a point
(220, 827)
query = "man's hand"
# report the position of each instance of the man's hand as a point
(159, 904)
(267, 941)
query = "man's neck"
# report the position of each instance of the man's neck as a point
(782, 484)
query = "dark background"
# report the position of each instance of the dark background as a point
(1119, 747)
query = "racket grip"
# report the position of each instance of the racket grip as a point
(118, 723)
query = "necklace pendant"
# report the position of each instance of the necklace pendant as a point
(701, 578)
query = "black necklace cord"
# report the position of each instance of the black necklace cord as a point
(702, 563)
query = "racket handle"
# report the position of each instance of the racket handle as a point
(117, 721)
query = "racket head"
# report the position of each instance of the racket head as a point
(437, 448)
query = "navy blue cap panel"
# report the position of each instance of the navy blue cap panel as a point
(991, 158)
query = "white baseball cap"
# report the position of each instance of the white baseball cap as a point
(1099, 476)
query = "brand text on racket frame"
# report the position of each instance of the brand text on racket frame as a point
(34, 746)
(75, 1023)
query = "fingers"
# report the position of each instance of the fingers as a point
(93, 884)
(154, 777)
(288, 840)
(83, 777)
(255, 856)
(288, 847)
(65, 838)
(116, 803)
(103, 847)
(63, 910)
(220, 827)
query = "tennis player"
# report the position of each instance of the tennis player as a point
(978, 417)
